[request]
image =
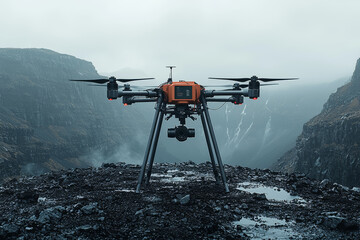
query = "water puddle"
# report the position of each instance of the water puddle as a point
(124, 190)
(46, 201)
(175, 175)
(271, 193)
(167, 177)
(267, 228)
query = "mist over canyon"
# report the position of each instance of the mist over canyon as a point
(49, 123)
(328, 147)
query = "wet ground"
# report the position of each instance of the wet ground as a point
(182, 202)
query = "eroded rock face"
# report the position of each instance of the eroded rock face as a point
(183, 201)
(48, 122)
(329, 144)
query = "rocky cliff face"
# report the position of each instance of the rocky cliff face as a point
(329, 144)
(46, 121)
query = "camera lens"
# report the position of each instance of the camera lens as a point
(181, 133)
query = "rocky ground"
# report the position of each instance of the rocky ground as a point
(182, 202)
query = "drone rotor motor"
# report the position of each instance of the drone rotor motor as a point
(254, 89)
(112, 89)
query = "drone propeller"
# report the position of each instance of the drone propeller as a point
(94, 85)
(144, 87)
(268, 84)
(216, 85)
(275, 79)
(246, 86)
(104, 80)
(136, 87)
(232, 79)
(253, 78)
(240, 85)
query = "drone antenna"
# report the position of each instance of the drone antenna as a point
(170, 75)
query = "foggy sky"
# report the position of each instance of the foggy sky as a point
(316, 40)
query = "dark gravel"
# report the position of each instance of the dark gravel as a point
(182, 202)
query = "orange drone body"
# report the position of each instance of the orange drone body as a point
(182, 92)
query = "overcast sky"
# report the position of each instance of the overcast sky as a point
(317, 40)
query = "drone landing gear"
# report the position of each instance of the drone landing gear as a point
(156, 126)
(207, 125)
(154, 137)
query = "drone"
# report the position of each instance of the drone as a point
(183, 99)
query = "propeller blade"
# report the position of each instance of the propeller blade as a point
(232, 79)
(268, 84)
(144, 87)
(132, 79)
(254, 78)
(99, 81)
(275, 79)
(95, 85)
(261, 85)
(242, 86)
(217, 85)
(104, 80)
(131, 87)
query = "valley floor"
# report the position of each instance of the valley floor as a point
(182, 202)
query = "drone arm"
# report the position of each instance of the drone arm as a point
(136, 100)
(145, 93)
(231, 99)
(212, 93)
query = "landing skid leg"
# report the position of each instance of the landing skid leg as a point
(151, 137)
(212, 135)
(211, 153)
(153, 150)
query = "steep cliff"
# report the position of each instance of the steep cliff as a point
(46, 121)
(329, 144)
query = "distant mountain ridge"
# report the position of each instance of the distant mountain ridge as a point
(329, 146)
(46, 121)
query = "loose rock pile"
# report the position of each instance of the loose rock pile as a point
(182, 202)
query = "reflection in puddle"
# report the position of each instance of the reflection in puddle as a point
(176, 175)
(167, 177)
(271, 193)
(45, 200)
(267, 228)
(268, 221)
(124, 190)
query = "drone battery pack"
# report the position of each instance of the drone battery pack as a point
(182, 92)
